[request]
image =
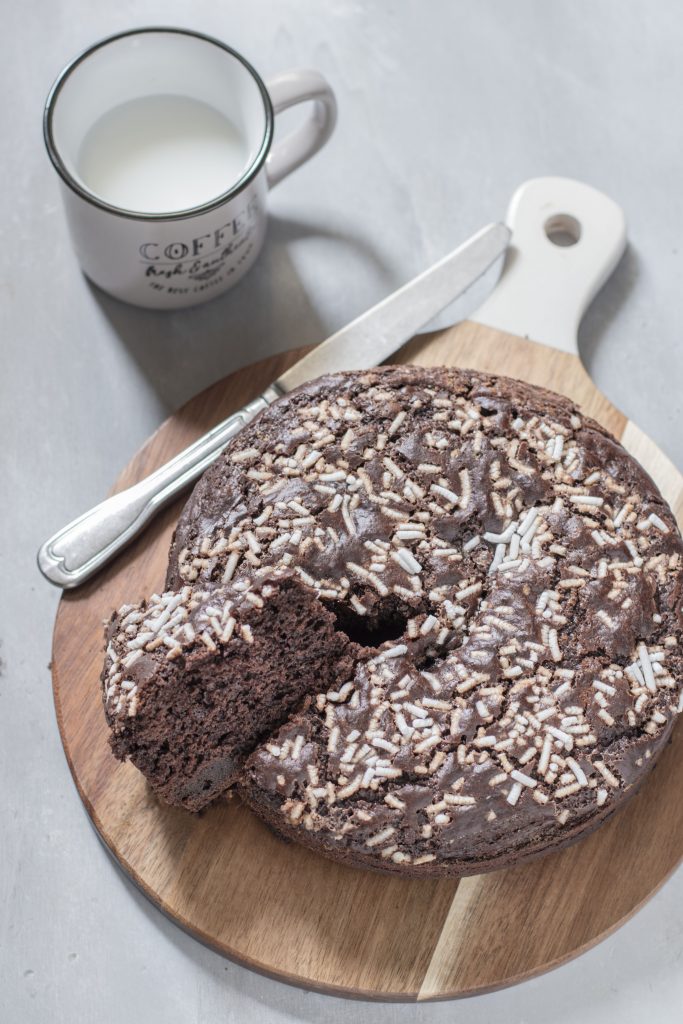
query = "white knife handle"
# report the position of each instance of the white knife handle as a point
(75, 553)
(545, 287)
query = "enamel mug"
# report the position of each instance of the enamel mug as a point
(167, 258)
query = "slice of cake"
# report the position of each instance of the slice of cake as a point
(195, 679)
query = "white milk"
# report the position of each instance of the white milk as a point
(158, 154)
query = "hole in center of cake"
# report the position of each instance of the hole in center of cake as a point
(383, 621)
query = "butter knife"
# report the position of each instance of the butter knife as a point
(81, 548)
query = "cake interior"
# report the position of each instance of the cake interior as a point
(203, 713)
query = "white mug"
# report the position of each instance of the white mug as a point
(170, 258)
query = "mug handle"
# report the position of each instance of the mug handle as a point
(286, 90)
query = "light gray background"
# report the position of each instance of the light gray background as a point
(445, 107)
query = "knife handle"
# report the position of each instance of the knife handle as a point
(79, 550)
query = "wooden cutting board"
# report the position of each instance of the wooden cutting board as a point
(285, 911)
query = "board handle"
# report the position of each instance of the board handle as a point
(567, 238)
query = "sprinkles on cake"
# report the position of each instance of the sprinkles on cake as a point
(511, 540)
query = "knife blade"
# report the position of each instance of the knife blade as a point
(80, 549)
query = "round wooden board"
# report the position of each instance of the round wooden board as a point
(281, 909)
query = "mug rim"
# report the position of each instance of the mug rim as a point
(194, 211)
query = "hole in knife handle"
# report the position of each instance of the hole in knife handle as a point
(562, 229)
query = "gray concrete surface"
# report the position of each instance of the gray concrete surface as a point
(445, 107)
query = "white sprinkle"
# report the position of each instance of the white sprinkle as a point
(435, 685)
(425, 858)
(640, 703)
(646, 666)
(388, 773)
(437, 705)
(658, 523)
(514, 547)
(403, 726)
(527, 521)
(227, 629)
(563, 737)
(383, 744)
(634, 673)
(407, 561)
(605, 687)
(395, 470)
(586, 499)
(607, 774)
(130, 659)
(140, 640)
(577, 771)
(456, 800)
(497, 558)
(485, 741)
(351, 788)
(569, 790)
(427, 744)
(544, 759)
(394, 652)
(510, 566)
(379, 837)
(501, 538)
(335, 504)
(311, 459)
(396, 422)
(601, 797)
(208, 641)
(245, 455)
(553, 645)
(230, 566)
(333, 739)
(347, 517)
(297, 747)
(416, 711)
(444, 492)
(514, 794)
(525, 780)
(497, 779)
(621, 515)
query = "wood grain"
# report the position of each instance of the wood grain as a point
(285, 911)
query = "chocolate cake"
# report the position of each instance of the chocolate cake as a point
(423, 620)
(197, 678)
